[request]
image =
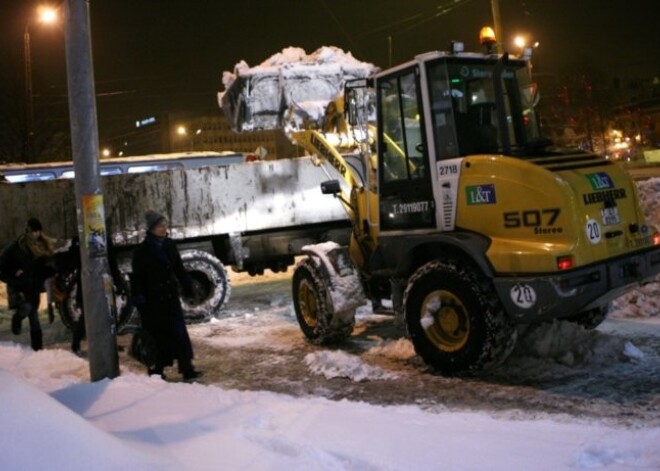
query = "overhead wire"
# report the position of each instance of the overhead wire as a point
(423, 17)
(354, 45)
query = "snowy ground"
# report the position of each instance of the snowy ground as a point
(567, 399)
(53, 418)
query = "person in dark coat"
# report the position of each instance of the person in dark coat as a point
(25, 264)
(78, 328)
(158, 274)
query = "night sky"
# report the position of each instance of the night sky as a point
(168, 55)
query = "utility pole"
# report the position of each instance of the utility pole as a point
(45, 15)
(497, 26)
(29, 103)
(389, 50)
(98, 297)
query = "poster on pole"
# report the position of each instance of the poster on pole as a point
(94, 225)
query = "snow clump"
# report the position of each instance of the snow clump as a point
(340, 364)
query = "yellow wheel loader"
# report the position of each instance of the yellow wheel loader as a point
(464, 218)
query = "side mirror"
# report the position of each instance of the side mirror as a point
(351, 108)
(330, 187)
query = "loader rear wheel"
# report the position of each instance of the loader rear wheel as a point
(455, 320)
(211, 288)
(310, 301)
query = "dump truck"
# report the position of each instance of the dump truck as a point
(251, 216)
(463, 217)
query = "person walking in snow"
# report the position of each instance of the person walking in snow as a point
(73, 262)
(158, 275)
(25, 264)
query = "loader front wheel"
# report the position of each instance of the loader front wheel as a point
(455, 320)
(313, 311)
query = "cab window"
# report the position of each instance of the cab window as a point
(401, 145)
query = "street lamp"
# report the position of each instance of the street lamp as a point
(524, 47)
(520, 42)
(46, 15)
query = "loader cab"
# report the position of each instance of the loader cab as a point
(432, 113)
(481, 105)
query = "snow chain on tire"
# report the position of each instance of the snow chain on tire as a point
(464, 328)
(310, 300)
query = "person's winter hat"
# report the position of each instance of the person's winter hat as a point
(153, 218)
(34, 225)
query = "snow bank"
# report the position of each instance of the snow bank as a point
(648, 191)
(643, 301)
(136, 422)
(567, 343)
(289, 89)
(40, 433)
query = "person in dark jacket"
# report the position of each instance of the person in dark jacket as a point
(24, 266)
(74, 262)
(158, 274)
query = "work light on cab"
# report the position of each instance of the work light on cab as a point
(487, 36)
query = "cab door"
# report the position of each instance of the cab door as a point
(406, 201)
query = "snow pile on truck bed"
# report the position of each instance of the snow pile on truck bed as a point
(288, 89)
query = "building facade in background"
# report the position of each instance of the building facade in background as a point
(174, 132)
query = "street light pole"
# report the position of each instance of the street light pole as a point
(98, 297)
(497, 26)
(29, 103)
(44, 15)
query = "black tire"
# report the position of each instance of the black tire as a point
(124, 303)
(455, 319)
(211, 286)
(70, 311)
(590, 319)
(310, 301)
(66, 304)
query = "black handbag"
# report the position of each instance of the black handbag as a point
(14, 298)
(143, 348)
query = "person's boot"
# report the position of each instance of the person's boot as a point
(16, 324)
(75, 346)
(156, 370)
(187, 369)
(51, 313)
(36, 339)
(190, 373)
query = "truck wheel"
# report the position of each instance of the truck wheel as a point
(211, 287)
(70, 311)
(66, 303)
(310, 300)
(455, 320)
(590, 319)
(124, 304)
